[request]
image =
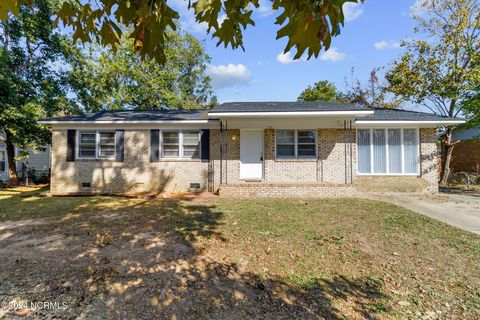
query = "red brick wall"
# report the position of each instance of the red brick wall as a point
(466, 156)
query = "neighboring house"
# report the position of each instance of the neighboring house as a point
(466, 153)
(37, 159)
(249, 148)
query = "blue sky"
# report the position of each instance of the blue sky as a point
(261, 73)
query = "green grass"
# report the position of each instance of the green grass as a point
(342, 258)
(30, 202)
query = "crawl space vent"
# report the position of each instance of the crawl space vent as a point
(195, 185)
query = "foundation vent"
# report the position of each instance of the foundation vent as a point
(194, 186)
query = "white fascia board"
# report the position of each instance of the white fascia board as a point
(402, 122)
(129, 122)
(289, 114)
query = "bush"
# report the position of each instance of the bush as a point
(465, 178)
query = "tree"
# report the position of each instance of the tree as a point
(471, 103)
(321, 91)
(120, 79)
(308, 24)
(373, 95)
(439, 68)
(30, 86)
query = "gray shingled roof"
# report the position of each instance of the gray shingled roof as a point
(288, 106)
(179, 115)
(467, 134)
(403, 115)
(149, 115)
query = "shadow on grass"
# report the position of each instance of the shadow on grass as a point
(151, 259)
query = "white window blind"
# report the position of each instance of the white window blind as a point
(388, 151)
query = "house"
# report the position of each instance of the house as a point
(466, 153)
(37, 159)
(247, 148)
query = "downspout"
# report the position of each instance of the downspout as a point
(221, 152)
(345, 136)
(351, 152)
(226, 152)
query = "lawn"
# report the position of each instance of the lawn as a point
(209, 257)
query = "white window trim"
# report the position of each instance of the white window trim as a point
(97, 144)
(295, 145)
(371, 173)
(180, 144)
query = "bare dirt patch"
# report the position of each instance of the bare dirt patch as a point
(210, 258)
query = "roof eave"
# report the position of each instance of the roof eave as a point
(431, 123)
(289, 114)
(50, 122)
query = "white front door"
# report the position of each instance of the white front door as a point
(251, 154)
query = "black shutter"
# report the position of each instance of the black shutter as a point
(205, 144)
(154, 145)
(71, 137)
(119, 143)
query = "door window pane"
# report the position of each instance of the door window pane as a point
(394, 151)
(363, 142)
(411, 156)
(107, 144)
(379, 151)
(87, 145)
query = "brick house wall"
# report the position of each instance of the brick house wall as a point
(138, 174)
(135, 174)
(466, 157)
(428, 158)
(333, 149)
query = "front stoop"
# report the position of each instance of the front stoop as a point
(286, 190)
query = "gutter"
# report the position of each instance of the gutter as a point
(49, 122)
(440, 122)
(291, 113)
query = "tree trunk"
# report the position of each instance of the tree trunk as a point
(12, 168)
(448, 156)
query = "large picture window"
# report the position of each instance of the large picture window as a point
(296, 144)
(183, 144)
(388, 151)
(96, 144)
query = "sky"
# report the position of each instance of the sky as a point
(369, 39)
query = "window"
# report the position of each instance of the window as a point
(296, 143)
(171, 145)
(106, 146)
(3, 163)
(388, 151)
(87, 145)
(191, 144)
(181, 144)
(96, 144)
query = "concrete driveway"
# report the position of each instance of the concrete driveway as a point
(459, 210)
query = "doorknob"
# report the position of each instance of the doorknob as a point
(261, 158)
